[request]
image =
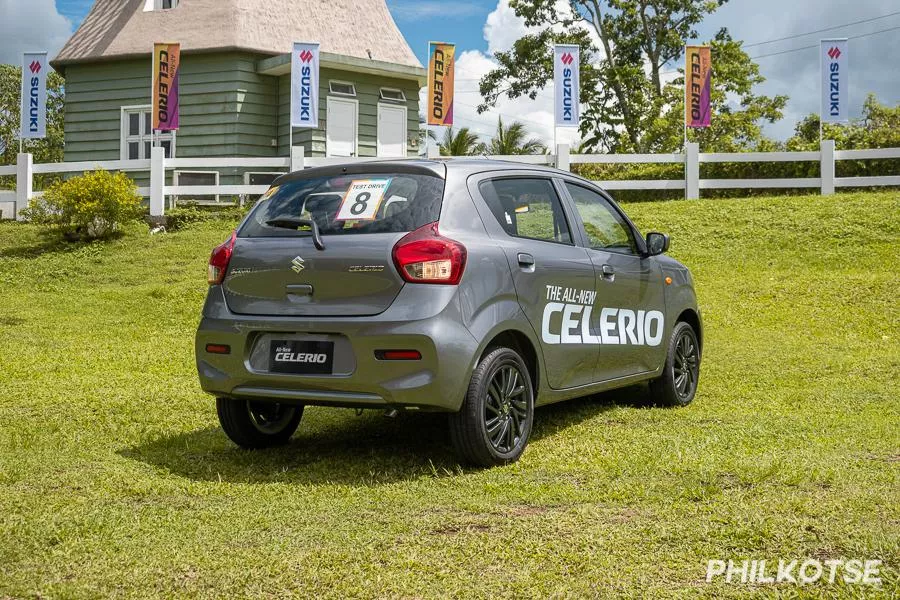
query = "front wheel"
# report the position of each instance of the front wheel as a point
(257, 424)
(677, 385)
(495, 420)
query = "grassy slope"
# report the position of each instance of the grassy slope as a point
(115, 479)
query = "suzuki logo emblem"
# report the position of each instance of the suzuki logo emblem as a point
(297, 265)
(35, 67)
(306, 56)
(834, 52)
(567, 59)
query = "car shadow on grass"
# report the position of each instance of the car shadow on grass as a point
(334, 446)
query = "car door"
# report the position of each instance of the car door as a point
(553, 276)
(630, 306)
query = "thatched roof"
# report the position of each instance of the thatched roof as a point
(121, 29)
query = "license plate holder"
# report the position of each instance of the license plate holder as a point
(301, 357)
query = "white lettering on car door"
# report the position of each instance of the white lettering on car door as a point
(618, 326)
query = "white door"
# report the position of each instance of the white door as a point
(391, 131)
(340, 127)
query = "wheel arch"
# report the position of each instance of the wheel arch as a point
(521, 343)
(692, 318)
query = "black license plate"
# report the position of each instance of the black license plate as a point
(301, 357)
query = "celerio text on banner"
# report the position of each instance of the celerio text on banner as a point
(441, 72)
(697, 86)
(166, 67)
(33, 115)
(566, 75)
(305, 85)
(835, 80)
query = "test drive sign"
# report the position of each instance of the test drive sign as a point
(166, 64)
(835, 85)
(33, 116)
(698, 86)
(441, 71)
(565, 84)
(305, 85)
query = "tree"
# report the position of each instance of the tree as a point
(625, 46)
(879, 127)
(511, 140)
(49, 149)
(461, 143)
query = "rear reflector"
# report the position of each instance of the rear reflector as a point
(218, 349)
(398, 355)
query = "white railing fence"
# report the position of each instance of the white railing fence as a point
(12, 203)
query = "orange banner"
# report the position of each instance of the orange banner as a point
(166, 63)
(441, 68)
(697, 86)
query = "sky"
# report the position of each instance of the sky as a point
(481, 27)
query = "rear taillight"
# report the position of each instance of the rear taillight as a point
(218, 261)
(425, 256)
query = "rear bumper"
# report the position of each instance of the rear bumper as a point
(423, 318)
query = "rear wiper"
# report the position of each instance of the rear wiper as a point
(296, 223)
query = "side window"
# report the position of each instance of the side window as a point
(605, 227)
(527, 208)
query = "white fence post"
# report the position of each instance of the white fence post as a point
(157, 181)
(298, 158)
(826, 168)
(562, 157)
(24, 182)
(692, 171)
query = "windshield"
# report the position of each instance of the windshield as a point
(348, 205)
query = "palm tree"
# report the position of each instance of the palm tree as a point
(511, 140)
(462, 143)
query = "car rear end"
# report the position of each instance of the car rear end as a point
(339, 289)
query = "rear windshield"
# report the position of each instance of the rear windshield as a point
(349, 204)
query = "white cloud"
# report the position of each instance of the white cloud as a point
(501, 30)
(31, 25)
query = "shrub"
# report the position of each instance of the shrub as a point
(188, 214)
(93, 205)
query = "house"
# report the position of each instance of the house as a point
(235, 80)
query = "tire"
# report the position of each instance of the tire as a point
(256, 424)
(493, 425)
(677, 385)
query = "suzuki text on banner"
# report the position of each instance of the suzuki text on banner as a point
(166, 65)
(698, 86)
(835, 86)
(566, 84)
(33, 119)
(441, 68)
(305, 85)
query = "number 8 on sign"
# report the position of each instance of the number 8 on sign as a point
(362, 200)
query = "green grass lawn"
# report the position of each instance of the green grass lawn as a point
(115, 479)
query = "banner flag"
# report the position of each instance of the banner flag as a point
(305, 85)
(566, 76)
(835, 85)
(698, 85)
(441, 72)
(166, 67)
(33, 115)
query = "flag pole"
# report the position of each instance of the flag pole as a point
(684, 98)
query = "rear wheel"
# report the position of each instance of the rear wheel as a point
(677, 386)
(258, 424)
(494, 423)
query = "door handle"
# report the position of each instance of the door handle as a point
(609, 273)
(525, 260)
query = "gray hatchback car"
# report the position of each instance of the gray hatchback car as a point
(473, 287)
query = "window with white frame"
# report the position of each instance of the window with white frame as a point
(137, 135)
(151, 5)
(392, 95)
(341, 88)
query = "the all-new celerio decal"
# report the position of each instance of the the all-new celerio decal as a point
(617, 326)
(286, 355)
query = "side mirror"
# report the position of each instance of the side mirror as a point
(657, 243)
